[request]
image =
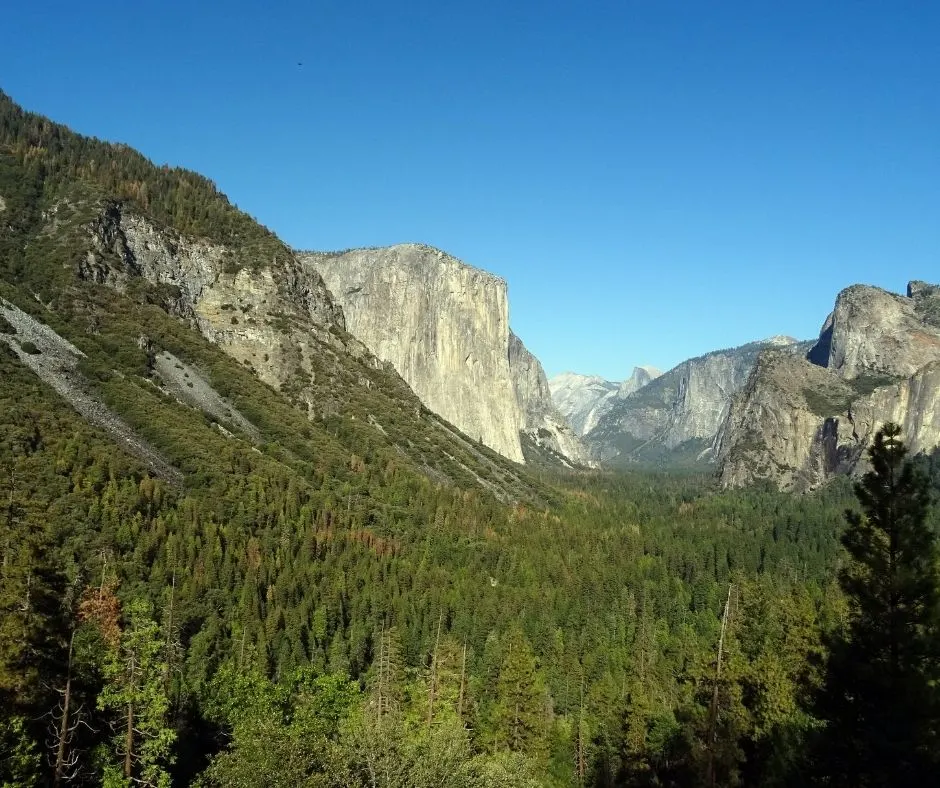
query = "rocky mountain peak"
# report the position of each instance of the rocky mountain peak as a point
(779, 340)
(918, 289)
(874, 332)
(798, 422)
(584, 399)
(637, 380)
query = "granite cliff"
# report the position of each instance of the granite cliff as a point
(444, 326)
(676, 416)
(798, 422)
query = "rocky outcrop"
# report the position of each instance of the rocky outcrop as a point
(799, 422)
(584, 399)
(198, 274)
(444, 326)
(874, 332)
(681, 411)
(640, 377)
(541, 421)
(276, 317)
(785, 425)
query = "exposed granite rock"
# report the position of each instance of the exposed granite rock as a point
(679, 411)
(798, 423)
(444, 325)
(540, 418)
(640, 377)
(926, 299)
(584, 399)
(913, 403)
(581, 399)
(277, 317)
(785, 425)
(874, 332)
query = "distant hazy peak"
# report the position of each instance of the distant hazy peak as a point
(653, 372)
(584, 399)
(566, 379)
(637, 380)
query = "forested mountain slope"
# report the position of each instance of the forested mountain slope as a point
(122, 256)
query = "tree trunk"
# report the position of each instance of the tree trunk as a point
(129, 742)
(64, 726)
(713, 712)
(433, 692)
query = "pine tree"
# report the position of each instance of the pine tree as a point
(879, 701)
(32, 609)
(517, 718)
(135, 691)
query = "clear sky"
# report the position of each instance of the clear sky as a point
(654, 179)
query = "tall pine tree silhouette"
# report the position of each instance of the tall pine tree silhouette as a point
(879, 700)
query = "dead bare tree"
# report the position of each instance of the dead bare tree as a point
(432, 692)
(713, 709)
(62, 730)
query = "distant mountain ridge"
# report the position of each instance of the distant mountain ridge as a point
(583, 399)
(676, 416)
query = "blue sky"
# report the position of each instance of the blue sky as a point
(654, 179)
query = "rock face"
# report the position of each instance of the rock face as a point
(198, 274)
(444, 326)
(541, 420)
(799, 422)
(583, 399)
(873, 332)
(637, 380)
(678, 414)
(277, 318)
